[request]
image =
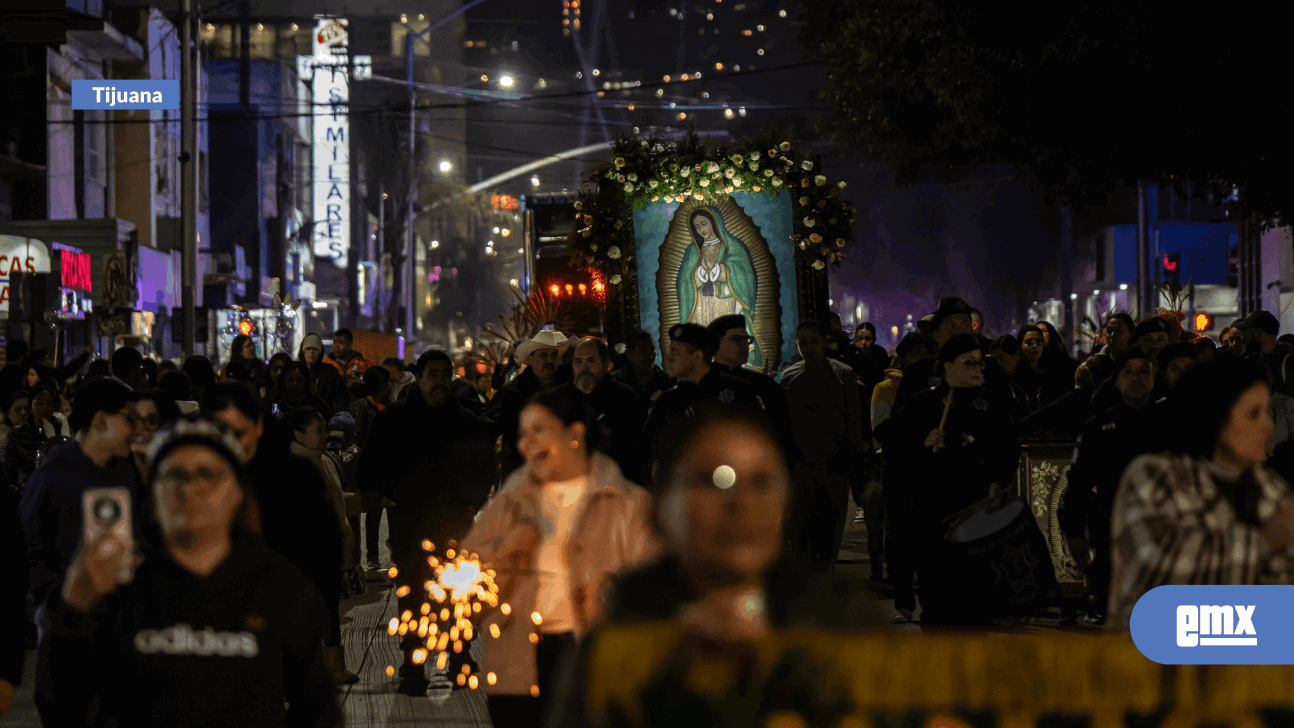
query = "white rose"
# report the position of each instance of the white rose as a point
(784, 146)
(729, 173)
(629, 187)
(820, 180)
(685, 172)
(819, 265)
(633, 176)
(810, 222)
(579, 205)
(653, 184)
(712, 168)
(705, 183)
(777, 181)
(806, 165)
(615, 281)
(619, 162)
(613, 252)
(768, 173)
(736, 182)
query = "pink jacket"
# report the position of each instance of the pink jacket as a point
(612, 534)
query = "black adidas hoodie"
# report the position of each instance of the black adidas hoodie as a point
(175, 649)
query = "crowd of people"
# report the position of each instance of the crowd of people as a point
(602, 488)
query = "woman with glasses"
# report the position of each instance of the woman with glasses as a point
(954, 442)
(1050, 385)
(199, 623)
(152, 410)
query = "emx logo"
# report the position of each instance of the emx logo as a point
(1215, 624)
(1211, 625)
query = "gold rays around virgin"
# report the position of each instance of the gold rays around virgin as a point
(767, 316)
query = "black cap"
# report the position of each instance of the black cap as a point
(724, 324)
(956, 346)
(1151, 325)
(950, 306)
(1180, 350)
(1264, 321)
(696, 335)
(103, 395)
(1129, 354)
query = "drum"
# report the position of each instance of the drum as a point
(1005, 554)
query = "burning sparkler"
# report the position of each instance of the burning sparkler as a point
(463, 588)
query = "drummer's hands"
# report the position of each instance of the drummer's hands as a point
(1081, 552)
(935, 440)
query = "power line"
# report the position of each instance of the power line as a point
(404, 108)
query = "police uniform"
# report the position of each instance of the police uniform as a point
(684, 400)
(1106, 445)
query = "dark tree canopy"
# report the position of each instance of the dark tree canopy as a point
(1085, 96)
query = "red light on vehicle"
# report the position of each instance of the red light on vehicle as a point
(570, 289)
(584, 290)
(556, 289)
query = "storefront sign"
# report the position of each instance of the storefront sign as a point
(74, 304)
(331, 87)
(75, 269)
(19, 255)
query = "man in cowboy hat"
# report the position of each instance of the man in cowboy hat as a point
(541, 354)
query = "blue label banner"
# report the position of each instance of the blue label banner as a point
(127, 95)
(1215, 625)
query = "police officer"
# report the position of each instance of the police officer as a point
(731, 358)
(1107, 443)
(688, 360)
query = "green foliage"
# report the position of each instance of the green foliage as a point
(1084, 96)
(642, 171)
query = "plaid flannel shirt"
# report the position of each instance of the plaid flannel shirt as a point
(1172, 524)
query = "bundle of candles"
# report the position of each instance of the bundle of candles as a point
(462, 589)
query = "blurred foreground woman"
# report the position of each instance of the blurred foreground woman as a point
(707, 614)
(214, 628)
(1208, 512)
(559, 529)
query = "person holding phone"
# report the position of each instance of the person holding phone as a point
(213, 627)
(104, 419)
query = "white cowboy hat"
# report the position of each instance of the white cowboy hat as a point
(554, 339)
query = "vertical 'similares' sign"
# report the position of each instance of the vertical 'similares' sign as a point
(331, 89)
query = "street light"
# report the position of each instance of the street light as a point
(534, 181)
(435, 244)
(505, 81)
(446, 166)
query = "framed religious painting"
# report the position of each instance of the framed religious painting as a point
(702, 259)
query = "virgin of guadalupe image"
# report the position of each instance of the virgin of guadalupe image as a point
(717, 277)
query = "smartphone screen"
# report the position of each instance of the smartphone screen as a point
(108, 510)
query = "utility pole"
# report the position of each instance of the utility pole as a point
(409, 258)
(1143, 253)
(188, 176)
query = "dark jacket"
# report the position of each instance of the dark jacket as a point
(364, 412)
(979, 449)
(681, 402)
(504, 414)
(647, 391)
(157, 661)
(51, 509)
(19, 455)
(468, 397)
(622, 416)
(1062, 419)
(421, 456)
(298, 519)
(1105, 446)
(14, 578)
(773, 397)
